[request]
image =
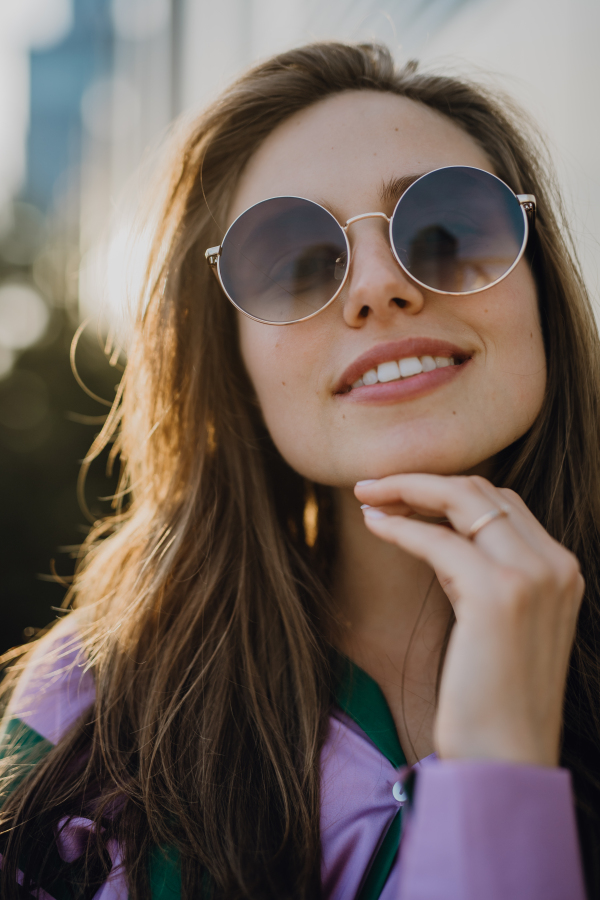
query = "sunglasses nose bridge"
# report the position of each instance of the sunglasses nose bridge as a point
(373, 215)
(369, 215)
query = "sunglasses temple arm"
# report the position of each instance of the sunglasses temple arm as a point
(528, 203)
(212, 255)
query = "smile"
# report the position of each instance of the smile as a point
(400, 370)
(408, 367)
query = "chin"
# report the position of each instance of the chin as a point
(431, 450)
(351, 471)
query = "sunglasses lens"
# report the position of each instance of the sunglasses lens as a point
(283, 259)
(458, 229)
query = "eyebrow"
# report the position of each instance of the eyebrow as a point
(391, 190)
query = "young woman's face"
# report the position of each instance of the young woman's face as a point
(340, 153)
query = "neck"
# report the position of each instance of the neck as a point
(393, 619)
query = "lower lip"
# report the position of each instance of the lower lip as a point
(405, 388)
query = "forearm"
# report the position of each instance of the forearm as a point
(491, 830)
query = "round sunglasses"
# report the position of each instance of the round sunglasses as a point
(456, 230)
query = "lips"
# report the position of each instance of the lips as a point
(397, 350)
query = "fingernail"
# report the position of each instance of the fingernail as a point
(372, 513)
(365, 506)
(368, 481)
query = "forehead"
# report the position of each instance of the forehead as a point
(342, 149)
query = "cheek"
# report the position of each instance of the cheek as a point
(284, 365)
(515, 356)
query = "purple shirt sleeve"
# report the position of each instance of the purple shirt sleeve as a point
(491, 830)
(56, 687)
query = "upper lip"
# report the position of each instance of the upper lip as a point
(413, 346)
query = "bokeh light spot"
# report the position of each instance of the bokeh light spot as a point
(23, 316)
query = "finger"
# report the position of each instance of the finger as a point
(457, 498)
(522, 519)
(391, 509)
(424, 494)
(526, 526)
(391, 504)
(402, 509)
(463, 502)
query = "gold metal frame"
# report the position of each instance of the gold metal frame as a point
(527, 202)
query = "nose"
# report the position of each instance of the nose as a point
(377, 286)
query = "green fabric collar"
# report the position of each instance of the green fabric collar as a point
(361, 698)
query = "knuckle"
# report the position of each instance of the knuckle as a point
(519, 591)
(576, 591)
(569, 572)
(463, 481)
(509, 494)
(479, 482)
(468, 484)
(543, 574)
(515, 500)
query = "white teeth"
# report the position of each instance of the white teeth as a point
(404, 368)
(388, 371)
(410, 366)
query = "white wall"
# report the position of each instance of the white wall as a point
(220, 39)
(546, 54)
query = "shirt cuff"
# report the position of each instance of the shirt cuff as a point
(493, 830)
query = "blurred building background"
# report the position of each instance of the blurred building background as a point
(86, 86)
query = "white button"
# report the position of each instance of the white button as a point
(398, 793)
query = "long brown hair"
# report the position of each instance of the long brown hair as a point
(204, 600)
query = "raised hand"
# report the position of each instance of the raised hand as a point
(516, 594)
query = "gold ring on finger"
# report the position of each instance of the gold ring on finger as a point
(496, 513)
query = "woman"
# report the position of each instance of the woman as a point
(265, 689)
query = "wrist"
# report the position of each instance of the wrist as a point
(499, 748)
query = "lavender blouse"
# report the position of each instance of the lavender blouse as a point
(463, 830)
